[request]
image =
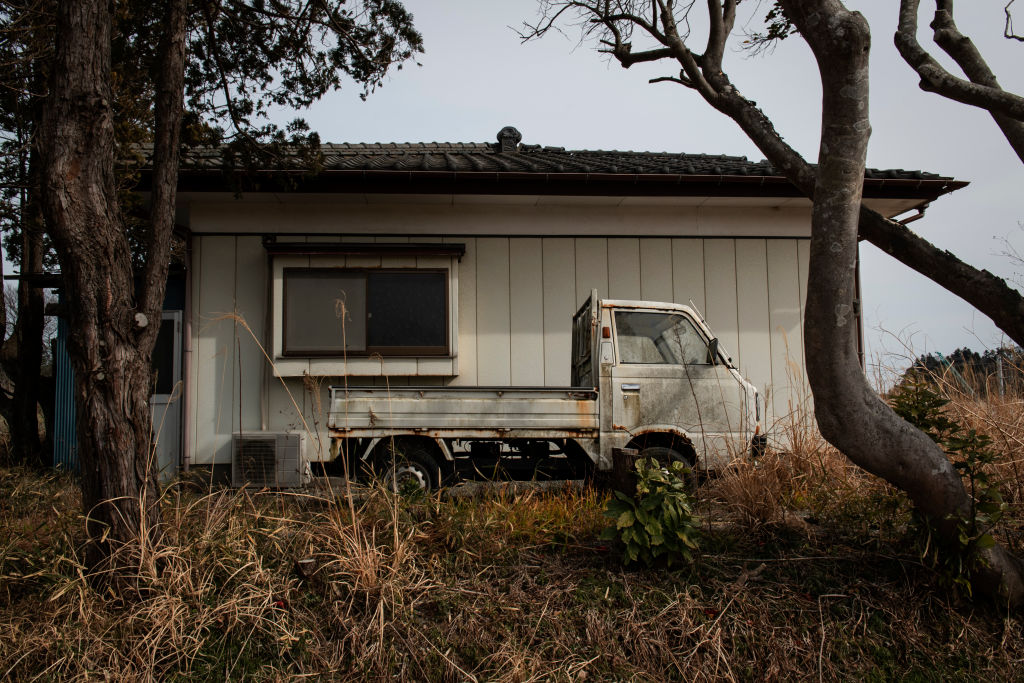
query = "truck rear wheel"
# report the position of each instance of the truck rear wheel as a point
(408, 467)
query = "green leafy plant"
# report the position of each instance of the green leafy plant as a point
(657, 524)
(920, 404)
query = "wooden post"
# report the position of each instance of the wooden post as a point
(623, 476)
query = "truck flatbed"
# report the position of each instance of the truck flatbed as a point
(475, 412)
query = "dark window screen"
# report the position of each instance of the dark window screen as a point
(332, 311)
(163, 359)
(324, 311)
(407, 310)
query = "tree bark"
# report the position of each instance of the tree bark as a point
(849, 412)
(169, 108)
(110, 340)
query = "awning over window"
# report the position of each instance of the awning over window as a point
(275, 248)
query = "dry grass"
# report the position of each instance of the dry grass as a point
(803, 479)
(806, 571)
(504, 587)
(1001, 418)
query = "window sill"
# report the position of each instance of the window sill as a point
(364, 366)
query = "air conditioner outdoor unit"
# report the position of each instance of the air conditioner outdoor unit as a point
(267, 459)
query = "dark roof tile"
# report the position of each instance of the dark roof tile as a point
(486, 157)
(510, 167)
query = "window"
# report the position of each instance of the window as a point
(337, 311)
(659, 338)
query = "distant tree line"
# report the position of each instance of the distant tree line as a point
(994, 372)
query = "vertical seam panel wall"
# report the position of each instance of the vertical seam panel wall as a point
(236, 371)
(508, 255)
(736, 285)
(672, 268)
(193, 379)
(543, 317)
(771, 334)
(476, 308)
(754, 310)
(576, 274)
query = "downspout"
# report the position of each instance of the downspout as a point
(186, 408)
(858, 312)
(917, 216)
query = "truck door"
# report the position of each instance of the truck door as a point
(664, 376)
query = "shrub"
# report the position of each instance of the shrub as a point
(657, 523)
(971, 454)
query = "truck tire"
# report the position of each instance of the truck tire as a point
(667, 456)
(413, 468)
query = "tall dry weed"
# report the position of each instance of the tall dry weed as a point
(800, 476)
(502, 586)
(222, 596)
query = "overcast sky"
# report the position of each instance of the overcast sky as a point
(476, 77)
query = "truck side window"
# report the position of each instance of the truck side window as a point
(659, 338)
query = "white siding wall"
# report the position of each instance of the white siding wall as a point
(515, 299)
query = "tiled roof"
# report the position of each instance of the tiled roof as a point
(509, 156)
(484, 157)
(509, 167)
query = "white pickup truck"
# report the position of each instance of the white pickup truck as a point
(645, 375)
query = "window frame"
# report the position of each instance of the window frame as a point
(679, 314)
(445, 351)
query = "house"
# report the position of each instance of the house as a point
(490, 248)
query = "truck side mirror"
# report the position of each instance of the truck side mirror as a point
(713, 351)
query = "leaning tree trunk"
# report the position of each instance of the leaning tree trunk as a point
(110, 340)
(850, 414)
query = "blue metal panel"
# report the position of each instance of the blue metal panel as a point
(65, 438)
(65, 442)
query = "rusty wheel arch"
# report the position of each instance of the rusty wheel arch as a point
(400, 441)
(677, 441)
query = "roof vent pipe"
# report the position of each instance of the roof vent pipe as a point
(509, 139)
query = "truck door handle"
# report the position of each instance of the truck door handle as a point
(631, 387)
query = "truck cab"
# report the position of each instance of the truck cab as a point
(664, 383)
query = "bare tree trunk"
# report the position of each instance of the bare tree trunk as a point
(850, 414)
(110, 340)
(169, 106)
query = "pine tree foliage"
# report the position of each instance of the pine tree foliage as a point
(134, 83)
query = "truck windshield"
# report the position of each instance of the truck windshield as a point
(659, 338)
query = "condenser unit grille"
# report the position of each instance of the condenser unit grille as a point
(271, 460)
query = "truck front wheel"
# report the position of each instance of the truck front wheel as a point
(667, 456)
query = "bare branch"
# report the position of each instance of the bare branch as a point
(545, 24)
(723, 17)
(673, 79)
(627, 58)
(1008, 29)
(935, 78)
(966, 55)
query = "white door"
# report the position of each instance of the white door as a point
(166, 399)
(664, 378)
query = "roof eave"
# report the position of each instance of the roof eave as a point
(512, 183)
